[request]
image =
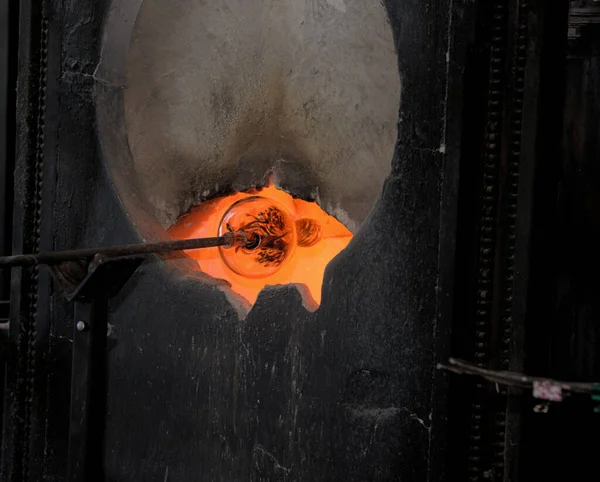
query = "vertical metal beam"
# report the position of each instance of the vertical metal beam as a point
(88, 389)
(497, 178)
(4, 156)
(8, 21)
(6, 130)
(21, 397)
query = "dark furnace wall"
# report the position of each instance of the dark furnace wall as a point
(346, 393)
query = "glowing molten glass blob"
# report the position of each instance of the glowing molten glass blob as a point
(267, 237)
(287, 241)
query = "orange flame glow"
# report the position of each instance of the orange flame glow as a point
(307, 264)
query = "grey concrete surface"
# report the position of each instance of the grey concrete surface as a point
(219, 93)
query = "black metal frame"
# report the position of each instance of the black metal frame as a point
(420, 136)
(8, 34)
(88, 372)
(509, 125)
(25, 393)
(8, 23)
(509, 151)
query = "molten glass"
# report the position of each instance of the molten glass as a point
(267, 233)
(278, 240)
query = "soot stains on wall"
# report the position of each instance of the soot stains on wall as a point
(213, 87)
(195, 393)
(339, 394)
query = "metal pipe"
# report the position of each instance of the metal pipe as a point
(58, 257)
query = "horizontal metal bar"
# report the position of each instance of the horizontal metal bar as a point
(58, 257)
(512, 378)
(584, 15)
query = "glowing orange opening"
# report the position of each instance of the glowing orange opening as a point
(287, 240)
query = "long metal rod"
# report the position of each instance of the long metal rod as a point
(115, 251)
(503, 377)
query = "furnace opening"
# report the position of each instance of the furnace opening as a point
(278, 240)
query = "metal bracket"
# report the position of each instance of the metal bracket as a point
(90, 284)
(103, 274)
(104, 278)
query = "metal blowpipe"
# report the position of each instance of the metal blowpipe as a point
(57, 257)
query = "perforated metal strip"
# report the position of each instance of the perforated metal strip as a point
(497, 231)
(31, 193)
(487, 234)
